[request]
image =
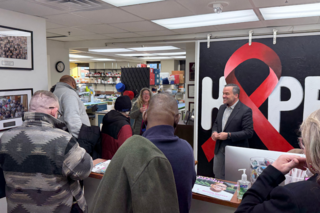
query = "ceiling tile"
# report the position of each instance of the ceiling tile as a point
(275, 3)
(159, 10)
(239, 26)
(102, 29)
(51, 25)
(107, 16)
(70, 20)
(67, 39)
(196, 30)
(73, 31)
(52, 34)
(23, 6)
(123, 35)
(292, 21)
(157, 33)
(94, 37)
(138, 26)
(201, 6)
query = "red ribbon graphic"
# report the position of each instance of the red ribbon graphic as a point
(266, 132)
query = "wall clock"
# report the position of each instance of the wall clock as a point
(60, 66)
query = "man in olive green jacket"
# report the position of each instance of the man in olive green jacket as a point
(139, 179)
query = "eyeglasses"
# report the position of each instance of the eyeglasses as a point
(301, 144)
(59, 113)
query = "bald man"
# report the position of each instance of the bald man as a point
(71, 107)
(43, 164)
(162, 117)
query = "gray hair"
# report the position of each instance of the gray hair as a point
(310, 133)
(235, 88)
(42, 100)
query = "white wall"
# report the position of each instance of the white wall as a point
(57, 51)
(37, 78)
(167, 66)
(190, 47)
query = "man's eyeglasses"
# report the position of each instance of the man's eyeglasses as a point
(59, 113)
(301, 144)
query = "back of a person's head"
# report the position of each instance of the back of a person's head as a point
(67, 79)
(310, 133)
(123, 104)
(42, 100)
(163, 108)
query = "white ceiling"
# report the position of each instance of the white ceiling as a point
(109, 23)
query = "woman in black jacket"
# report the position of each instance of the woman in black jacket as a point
(266, 196)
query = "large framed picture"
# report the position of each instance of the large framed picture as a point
(16, 49)
(191, 71)
(13, 104)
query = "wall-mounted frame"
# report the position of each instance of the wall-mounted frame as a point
(13, 104)
(191, 106)
(191, 71)
(190, 90)
(16, 49)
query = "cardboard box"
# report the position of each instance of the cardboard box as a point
(177, 72)
(152, 79)
(181, 78)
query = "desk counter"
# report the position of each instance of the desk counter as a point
(200, 203)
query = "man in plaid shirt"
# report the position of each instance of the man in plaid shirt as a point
(42, 164)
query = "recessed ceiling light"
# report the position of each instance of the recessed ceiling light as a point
(110, 50)
(78, 56)
(208, 19)
(293, 11)
(142, 54)
(179, 57)
(155, 58)
(121, 3)
(154, 48)
(176, 53)
(72, 60)
(103, 59)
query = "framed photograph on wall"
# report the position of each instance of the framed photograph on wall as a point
(190, 90)
(191, 71)
(191, 106)
(16, 49)
(13, 104)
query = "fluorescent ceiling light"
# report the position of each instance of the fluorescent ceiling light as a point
(154, 48)
(155, 58)
(293, 11)
(179, 57)
(121, 3)
(78, 56)
(208, 19)
(142, 54)
(72, 60)
(103, 59)
(176, 53)
(110, 50)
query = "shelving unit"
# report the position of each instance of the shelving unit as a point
(114, 76)
(98, 83)
(103, 69)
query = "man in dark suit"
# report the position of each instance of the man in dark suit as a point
(233, 127)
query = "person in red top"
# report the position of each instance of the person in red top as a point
(116, 127)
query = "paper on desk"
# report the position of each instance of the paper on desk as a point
(101, 167)
(214, 188)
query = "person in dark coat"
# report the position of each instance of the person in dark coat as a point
(116, 127)
(267, 196)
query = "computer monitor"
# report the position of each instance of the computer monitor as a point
(254, 161)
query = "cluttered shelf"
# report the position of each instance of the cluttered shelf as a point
(99, 76)
(100, 83)
(104, 69)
